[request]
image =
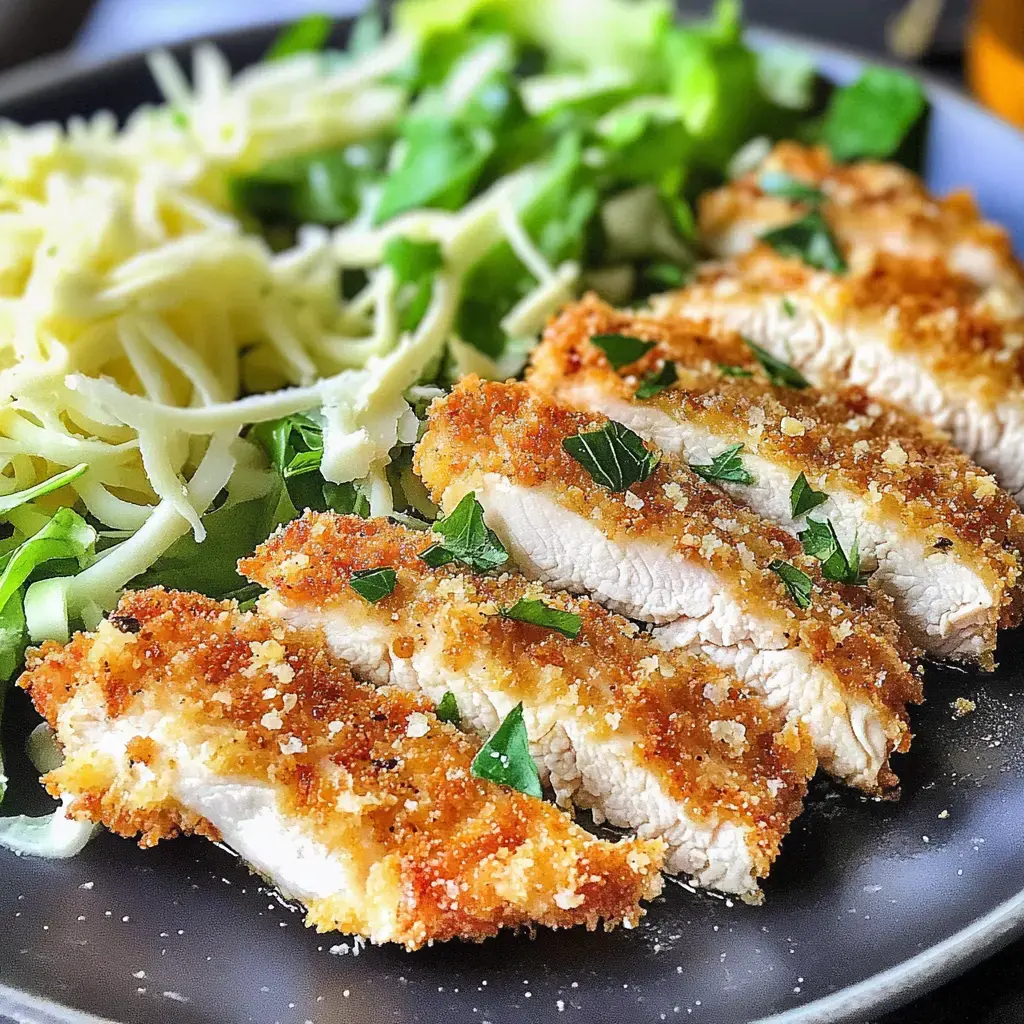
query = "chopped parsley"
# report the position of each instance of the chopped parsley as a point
(621, 349)
(505, 757)
(734, 371)
(820, 541)
(726, 467)
(373, 584)
(653, 383)
(448, 709)
(788, 307)
(466, 539)
(613, 455)
(798, 584)
(785, 186)
(779, 373)
(810, 239)
(803, 497)
(537, 613)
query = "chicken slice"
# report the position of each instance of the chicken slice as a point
(908, 332)
(180, 714)
(872, 207)
(649, 740)
(947, 552)
(676, 552)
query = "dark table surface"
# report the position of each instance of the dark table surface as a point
(992, 993)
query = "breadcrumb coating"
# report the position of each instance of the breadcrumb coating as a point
(917, 308)
(613, 682)
(840, 439)
(437, 853)
(871, 207)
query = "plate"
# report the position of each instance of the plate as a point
(871, 903)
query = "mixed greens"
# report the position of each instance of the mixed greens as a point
(491, 159)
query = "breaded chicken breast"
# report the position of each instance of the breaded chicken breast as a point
(649, 740)
(179, 714)
(906, 331)
(872, 207)
(947, 552)
(674, 551)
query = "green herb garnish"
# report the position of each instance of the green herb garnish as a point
(872, 117)
(779, 373)
(373, 584)
(787, 307)
(785, 186)
(613, 455)
(621, 349)
(448, 709)
(307, 34)
(803, 497)
(726, 467)
(798, 584)
(810, 239)
(734, 371)
(466, 539)
(654, 382)
(537, 613)
(505, 758)
(820, 541)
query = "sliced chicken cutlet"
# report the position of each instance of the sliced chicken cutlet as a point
(673, 551)
(649, 740)
(906, 331)
(179, 714)
(945, 551)
(872, 207)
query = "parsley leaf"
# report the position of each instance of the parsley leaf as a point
(820, 541)
(621, 349)
(412, 260)
(448, 709)
(779, 373)
(872, 117)
(788, 307)
(785, 186)
(308, 33)
(798, 584)
(440, 164)
(803, 497)
(373, 584)
(466, 539)
(613, 455)
(810, 239)
(505, 757)
(725, 467)
(654, 382)
(537, 613)
(734, 371)
(415, 265)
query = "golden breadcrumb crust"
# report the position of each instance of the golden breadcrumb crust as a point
(467, 857)
(839, 439)
(616, 682)
(509, 430)
(917, 308)
(868, 204)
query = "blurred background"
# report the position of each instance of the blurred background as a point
(979, 43)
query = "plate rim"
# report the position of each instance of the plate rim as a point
(882, 992)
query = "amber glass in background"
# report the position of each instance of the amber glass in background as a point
(995, 57)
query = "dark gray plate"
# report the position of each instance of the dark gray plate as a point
(869, 905)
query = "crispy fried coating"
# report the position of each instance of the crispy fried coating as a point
(913, 480)
(727, 759)
(177, 694)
